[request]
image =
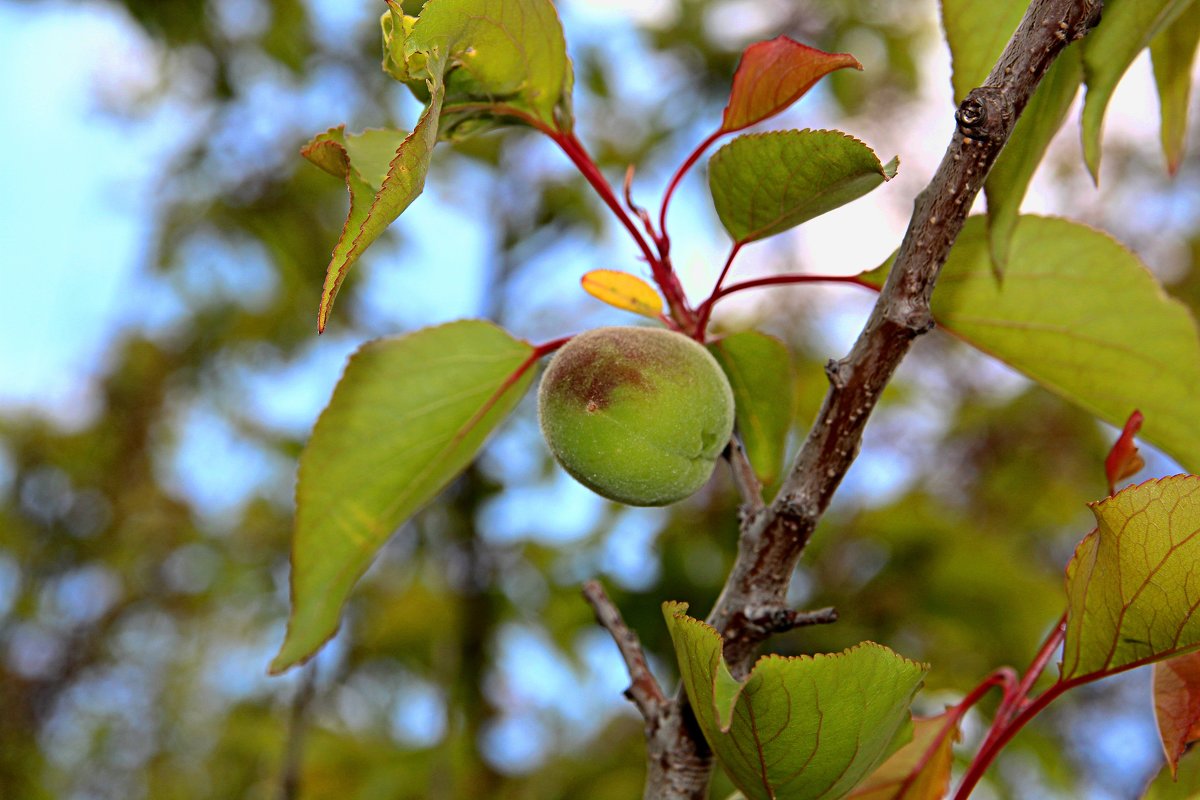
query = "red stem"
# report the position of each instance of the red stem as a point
(1017, 709)
(664, 239)
(705, 310)
(663, 275)
(992, 747)
(779, 280)
(1036, 667)
(537, 352)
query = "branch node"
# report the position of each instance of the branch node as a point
(836, 370)
(986, 115)
(644, 691)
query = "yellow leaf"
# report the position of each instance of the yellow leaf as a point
(625, 291)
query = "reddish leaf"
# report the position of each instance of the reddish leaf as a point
(1177, 704)
(1123, 460)
(774, 74)
(921, 769)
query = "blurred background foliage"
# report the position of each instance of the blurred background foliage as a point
(144, 541)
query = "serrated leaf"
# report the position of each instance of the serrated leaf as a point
(1132, 586)
(765, 183)
(977, 32)
(499, 52)
(408, 415)
(921, 769)
(624, 291)
(380, 188)
(1127, 29)
(1082, 316)
(761, 373)
(1014, 169)
(772, 75)
(797, 728)
(1173, 51)
(1177, 705)
(395, 27)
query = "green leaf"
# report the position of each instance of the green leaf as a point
(1173, 50)
(1127, 28)
(1183, 786)
(977, 32)
(408, 415)
(921, 769)
(380, 187)
(1132, 585)
(765, 183)
(761, 373)
(772, 75)
(1082, 316)
(1010, 176)
(1177, 705)
(797, 728)
(498, 53)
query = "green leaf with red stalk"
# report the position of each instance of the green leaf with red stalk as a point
(377, 196)
(921, 769)
(763, 184)
(773, 75)
(1173, 52)
(408, 415)
(762, 376)
(1082, 316)
(1177, 705)
(797, 728)
(1123, 460)
(1133, 588)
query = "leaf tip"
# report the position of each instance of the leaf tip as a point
(891, 168)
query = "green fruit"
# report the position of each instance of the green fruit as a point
(638, 415)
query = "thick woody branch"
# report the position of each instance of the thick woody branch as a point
(771, 541)
(772, 544)
(644, 691)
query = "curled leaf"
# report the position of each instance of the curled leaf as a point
(797, 728)
(1132, 586)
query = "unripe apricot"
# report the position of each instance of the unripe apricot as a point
(638, 415)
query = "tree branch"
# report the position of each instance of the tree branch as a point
(771, 542)
(643, 691)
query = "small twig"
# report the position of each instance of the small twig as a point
(293, 755)
(781, 619)
(643, 691)
(641, 213)
(744, 479)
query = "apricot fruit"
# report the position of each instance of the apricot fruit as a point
(638, 415)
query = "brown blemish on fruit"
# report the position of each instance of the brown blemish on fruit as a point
(590, 375)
